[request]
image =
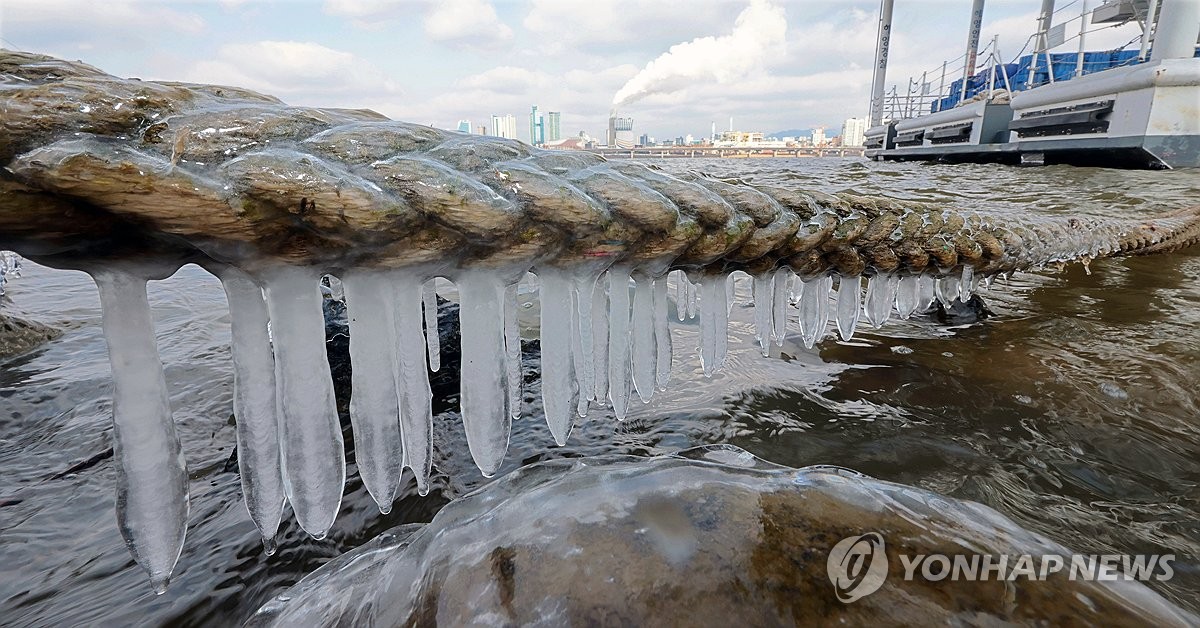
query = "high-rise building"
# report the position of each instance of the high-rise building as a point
(853, 130)
(505, 126)
(464, 126)
(553, 126)
(818, 136)
(537, 127)
(620, 132)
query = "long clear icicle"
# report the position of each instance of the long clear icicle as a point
(908, 295)
(558, 378)
(848, 305)
(946, 289)
(927, 291)
(966, 284)
(681, 295)
(779, 298)
(824, 288)
(415, 396)
(714, 316)
(645, 363)
(582, 347)
(618, 340)
(432, 341)
(762, 312)
(513, 376)
(810, 311)
(482, 399)
(374, 403)
(600, 339)
(152, 480)
(254, 404)
(880, 297)
(662, 334)
(314, 463)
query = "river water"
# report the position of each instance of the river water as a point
(1073, 409)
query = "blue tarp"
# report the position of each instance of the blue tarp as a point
(1018, 73)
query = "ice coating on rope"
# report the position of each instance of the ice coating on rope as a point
(254, 404)
(848, 305)
(483, 400)
(558, 378)
(432, 342)
(412, 376)
(152, 479)
(618, 340)
(374, 401)
(645, 362)
(314, 462)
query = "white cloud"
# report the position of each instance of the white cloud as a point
(467, 23)
(299, 72)
(60, 25)
(608, 26)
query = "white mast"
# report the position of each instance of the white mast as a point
(881, 57)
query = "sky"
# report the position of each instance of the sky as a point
(676, 67)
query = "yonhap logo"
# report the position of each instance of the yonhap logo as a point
(857, 566)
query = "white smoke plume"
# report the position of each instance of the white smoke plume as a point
(758, 32)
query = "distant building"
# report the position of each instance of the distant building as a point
(689, 139)
(744, 139)
(481, 129)
(505, 126)
(537, 127)
(620, 132)
(818, 136)
(464, 126)
(853, 131)
(553, 126)
(644, 139)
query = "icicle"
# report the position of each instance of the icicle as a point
(824, 287)
(374, 404)
(849, 304)
(966, 284)
(600, 335)
(692, 297)
(779, 298)
(730, 292)
(644, 348)
(908, 295)
(582, 347)
(928, 292)
(332, 287)
(314, 464)
(946, 289)
(485, 412)
(762, 312)
(558, 377)
(415, 396)
(254, 404)
(662, 334)
(152, 479)
(810, 311)
(880, 296)
(513, 376)
(432, 342)
(714, 317)
(618, 340)
(681, 294)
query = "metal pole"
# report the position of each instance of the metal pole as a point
(972, 45)
(1147, 26)
(1082, 36)
(1178, 25)
(1040, 41)
(994, 57)
(881, 56)
(942, 86)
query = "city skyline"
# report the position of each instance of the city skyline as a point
(437, 63)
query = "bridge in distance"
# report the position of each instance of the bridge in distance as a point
(668, 152)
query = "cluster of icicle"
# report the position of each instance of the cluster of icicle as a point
(602, 337)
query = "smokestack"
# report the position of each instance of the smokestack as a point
(714, 131)
(731, 124)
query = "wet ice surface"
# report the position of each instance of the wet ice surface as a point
(1022, 411)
